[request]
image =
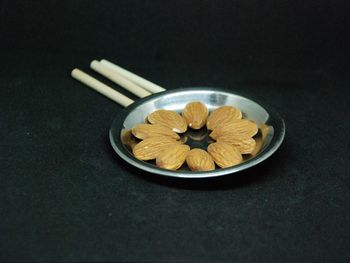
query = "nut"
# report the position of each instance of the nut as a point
(222, 115)
(264, 129)
(224, 155)
(143, 131)
(173, 157)
(200, 160)
(150, 147)
(244, 144)
(238, 128)
(168, 118)
(128, 139)
(195, 114)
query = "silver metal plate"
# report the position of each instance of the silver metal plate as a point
(176, 100)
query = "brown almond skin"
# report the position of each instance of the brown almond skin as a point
(244, 144)
(200, 160)
(224, 155)
(128, 138)
(170, 119)
(195, 114)
(151, 147)
(172, 158)
(264, 129)
(143, 131)
(239, 128)
(222, 115)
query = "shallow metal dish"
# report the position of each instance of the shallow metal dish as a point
(176, 100)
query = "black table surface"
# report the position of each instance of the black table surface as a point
(65, 195)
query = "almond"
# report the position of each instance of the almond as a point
(168, 118)
(264, 129)
(150, 147)
(224, 155)
(200, 160)
(173, 157)
(222, 115)
(246, 128)
(244, 144)
(128, 139)
(195, 114)
(258, 145)
(143, 131)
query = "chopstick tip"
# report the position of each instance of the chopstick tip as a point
(74, 71)
(94, 62)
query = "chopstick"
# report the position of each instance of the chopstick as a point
(124, 78)
(119, 79)
(144, 83)
(101, 87)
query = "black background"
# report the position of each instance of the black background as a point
(65, 195)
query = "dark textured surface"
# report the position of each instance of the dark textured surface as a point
(64, 193)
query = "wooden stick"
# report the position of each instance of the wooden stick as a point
(150, 86)
(101, 88)
(120, 80)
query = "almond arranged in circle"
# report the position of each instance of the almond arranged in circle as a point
(170, 119)
(151, 147)
(224, 155)
(128, 138)
(195, 114)
(200, 160)
(244, 144)
(173, 157)
(223, 115)
(264, 129)
(238, 128)
(143, 131)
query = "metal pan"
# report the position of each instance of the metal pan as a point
(269, 138)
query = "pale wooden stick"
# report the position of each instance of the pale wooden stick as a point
(120, 80)
(101, 88)
(150, 86)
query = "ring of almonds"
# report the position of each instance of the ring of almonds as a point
(160, 139)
